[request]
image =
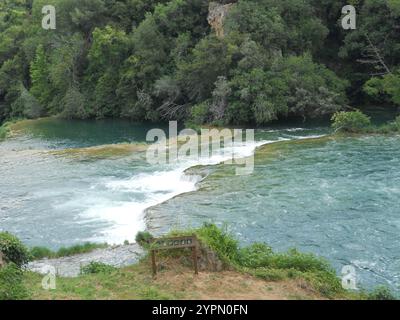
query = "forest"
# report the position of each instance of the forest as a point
(157, 60)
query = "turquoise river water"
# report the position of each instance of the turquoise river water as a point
(337, 198)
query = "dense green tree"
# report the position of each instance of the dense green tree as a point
(40, 77)
(387, 87)
(160, 59)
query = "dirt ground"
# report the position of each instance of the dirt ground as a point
(234, 286)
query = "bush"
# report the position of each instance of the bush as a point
(354, 121)
(143, 238)
(11, 285)
(13, 249)
(327, 283)
(258, 255)
(381, 293)
(268, 274)
(220, 241)
(296, 260)
(97, 267)
(200, 113)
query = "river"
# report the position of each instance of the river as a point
(67, 182)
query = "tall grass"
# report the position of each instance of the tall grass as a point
(42, 252)
(261, 261)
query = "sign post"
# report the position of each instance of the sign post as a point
(174, 243)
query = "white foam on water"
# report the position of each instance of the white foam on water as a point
(128, 217)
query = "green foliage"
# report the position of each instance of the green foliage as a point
(388, 85)
(13, 249)
(97, 267)
(261, 256)
(74, 104)
(288, 26)
(381, 293)
(258, 255)
(143, 237)
(78, 249)
(326, 282)
(293, 85)
(4, 131)
(354, 121)
(26, 105)
(259, 260)
(11, 283)
(42, 252)
(159, 59)
(200, 113)
(40, 77)
(219, 240)
(364, 53)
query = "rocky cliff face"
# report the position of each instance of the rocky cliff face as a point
(216, 16)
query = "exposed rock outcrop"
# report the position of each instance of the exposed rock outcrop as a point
(217, 13)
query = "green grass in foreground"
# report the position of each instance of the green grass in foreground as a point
(257, 262)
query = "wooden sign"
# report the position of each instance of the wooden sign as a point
(174, 243)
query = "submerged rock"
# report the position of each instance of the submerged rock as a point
(117, 256)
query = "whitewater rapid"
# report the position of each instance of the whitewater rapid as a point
(159, 186)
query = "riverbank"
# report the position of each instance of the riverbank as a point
(226, 272)
(136, 282)
(70, 266)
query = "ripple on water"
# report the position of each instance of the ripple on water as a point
(338, 199)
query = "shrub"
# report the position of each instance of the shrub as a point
(220, 241)
(200, 113)
(258, 255)
(143, 238)
(327, 283)
(11, 285)
(354, 121)
(296, 260)
(13, 249)
(97, 267)
(381, 293)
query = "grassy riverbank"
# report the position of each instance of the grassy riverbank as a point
(253, 272)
